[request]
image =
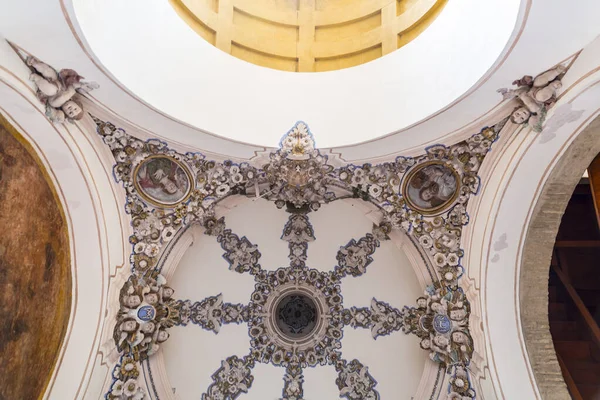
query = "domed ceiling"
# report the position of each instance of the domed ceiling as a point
(396, 362)
(308, 35)
(281, 302)
(171, 68)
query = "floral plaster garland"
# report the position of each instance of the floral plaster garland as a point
(298, 177)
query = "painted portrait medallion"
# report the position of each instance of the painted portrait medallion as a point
(162, 181)
(431, 187)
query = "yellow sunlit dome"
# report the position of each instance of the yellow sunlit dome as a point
(308, 35)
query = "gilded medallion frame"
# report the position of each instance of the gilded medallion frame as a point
(153, 201)
(442, 207)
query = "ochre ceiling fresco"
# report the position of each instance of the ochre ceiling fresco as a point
(35, 270)
(308, 35)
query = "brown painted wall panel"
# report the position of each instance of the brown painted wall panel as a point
(35, 271)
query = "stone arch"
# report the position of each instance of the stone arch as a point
(536, 256)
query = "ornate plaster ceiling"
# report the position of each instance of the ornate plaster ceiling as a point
(295, 314)
(204, 273)
(308, 36)
(175, 196)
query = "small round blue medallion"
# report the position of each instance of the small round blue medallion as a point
(442, 324)
(146, 313)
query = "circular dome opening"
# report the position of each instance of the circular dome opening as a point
(299, 36)
(296, 315)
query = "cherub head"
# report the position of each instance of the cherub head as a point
(162, 336)
(148, 327)
(129, 325)
(422, 302)
(132, 301)
(151, 298)
(458, 314)
(73, 110)
(520, 115)
(425, 344)
(167, 292)
(441, 341)
(460, 337)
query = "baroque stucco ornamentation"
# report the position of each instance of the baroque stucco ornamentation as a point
(298, 177)
(125, 385)
(441, 321)
(295, 348)
(536, 96)
(58, 90)
(298, 233)
(381, 318)
(231, 380)
(212, 313)
(147, 310)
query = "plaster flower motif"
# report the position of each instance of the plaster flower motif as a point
(452, 259)
(109, 140)
(119, 133)
(139, 247)
(168, 233)
(152, 250)
(426, 241)
(237, 178)
(375, 190)
(439, 259)
(121, 156)
(130, 387)
(117, 388)
(358, 180)
(140, 395)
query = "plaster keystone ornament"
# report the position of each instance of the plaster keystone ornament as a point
(441, 321)
(58, 90)
(536, 96)
(147, 311)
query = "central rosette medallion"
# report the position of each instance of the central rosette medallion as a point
(295, 317)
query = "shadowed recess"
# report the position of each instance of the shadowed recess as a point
(35, 272)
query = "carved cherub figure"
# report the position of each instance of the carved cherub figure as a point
(441, 321)
(147, 310)
(536, 96)
(57, 90)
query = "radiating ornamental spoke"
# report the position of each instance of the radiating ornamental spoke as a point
(298, 232)
(231, 380)
(381, 318)
(211, 313)
(354, 258)
(355, 382)
(293, 381)
(241, 255)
